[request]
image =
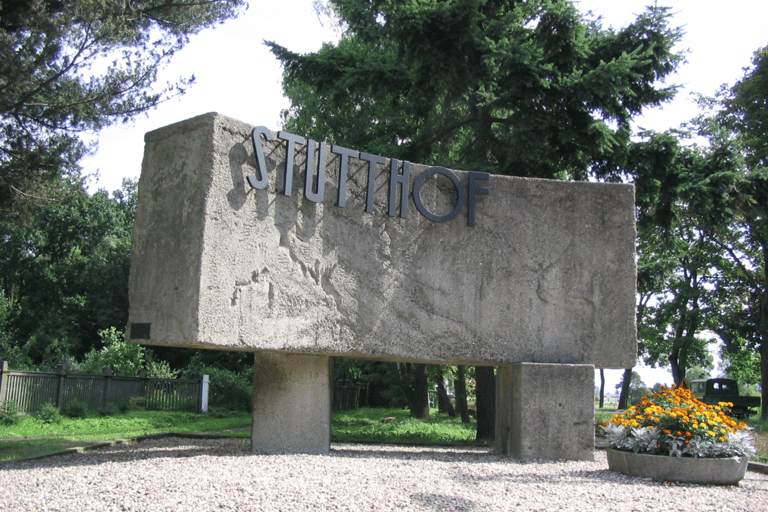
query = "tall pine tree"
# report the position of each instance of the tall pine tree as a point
(518, 88)
(73, 66)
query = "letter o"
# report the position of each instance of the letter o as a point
(419, 181)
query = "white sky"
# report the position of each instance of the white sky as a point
(238, 77)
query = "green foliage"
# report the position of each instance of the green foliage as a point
(677, 260)
(64, 275)
(109, 410)
(347, 372)
(75, 409)
(230, 390)
(124, 359)
(734, 185)
(745, 111)
(49, 413)
(696, 373)
(740, 363)
(9, 350)
(137, 403)
(9, 413)
(73, 66)
(227, 389)
(637, 388)
(518, 88)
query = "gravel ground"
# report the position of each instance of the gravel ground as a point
(201, 475)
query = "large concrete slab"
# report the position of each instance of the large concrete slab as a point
(546, 274)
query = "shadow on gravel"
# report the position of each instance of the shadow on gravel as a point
(410, 452)
(131, 451)
(442, 502)
(189, 446)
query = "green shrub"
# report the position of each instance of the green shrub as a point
(227, 389)
(230, 390)
(49, 413)
(75, 409)
(108, 410)
(9, 413)
(137, 403)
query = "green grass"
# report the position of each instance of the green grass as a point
(761, 436)
(601, 415)
(365, 425)
(30, 437)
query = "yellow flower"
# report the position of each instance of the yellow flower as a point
(711, 433)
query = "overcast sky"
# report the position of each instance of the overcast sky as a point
(238, 77)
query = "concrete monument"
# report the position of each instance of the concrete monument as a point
(300, 251)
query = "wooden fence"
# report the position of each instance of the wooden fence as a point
(349, 397)
(29, 391)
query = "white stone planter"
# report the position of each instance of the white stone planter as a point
(724, 471)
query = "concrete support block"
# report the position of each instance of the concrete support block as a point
(291, 403)
(545, 411)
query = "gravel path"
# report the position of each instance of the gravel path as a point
(201, 475)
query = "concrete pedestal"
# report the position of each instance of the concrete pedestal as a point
(545, 411)
(291, 403)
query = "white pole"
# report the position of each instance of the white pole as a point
(204, 394)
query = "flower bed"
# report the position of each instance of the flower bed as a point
(673, 422)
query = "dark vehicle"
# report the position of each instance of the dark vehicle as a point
(713, 391)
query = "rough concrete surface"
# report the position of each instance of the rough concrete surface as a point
(291, 403)
(546, 274)
(545, 411)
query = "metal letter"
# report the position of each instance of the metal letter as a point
(317, 192)
(460, 194)
(261, 181)
(404, 180)
(472, 190)
(372, 161)
(289, 154)
(345, 155)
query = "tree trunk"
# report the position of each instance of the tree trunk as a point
(763, 329)
(419, 400)
(602, 388)
(764, 346)
(460, 385)
(486, 402)
(675, 360)
(444, 403)
(624, 395)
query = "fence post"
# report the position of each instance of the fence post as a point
(3, 383)
(60, 388)
(144, 383)
(204, 394)
(107, 386)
